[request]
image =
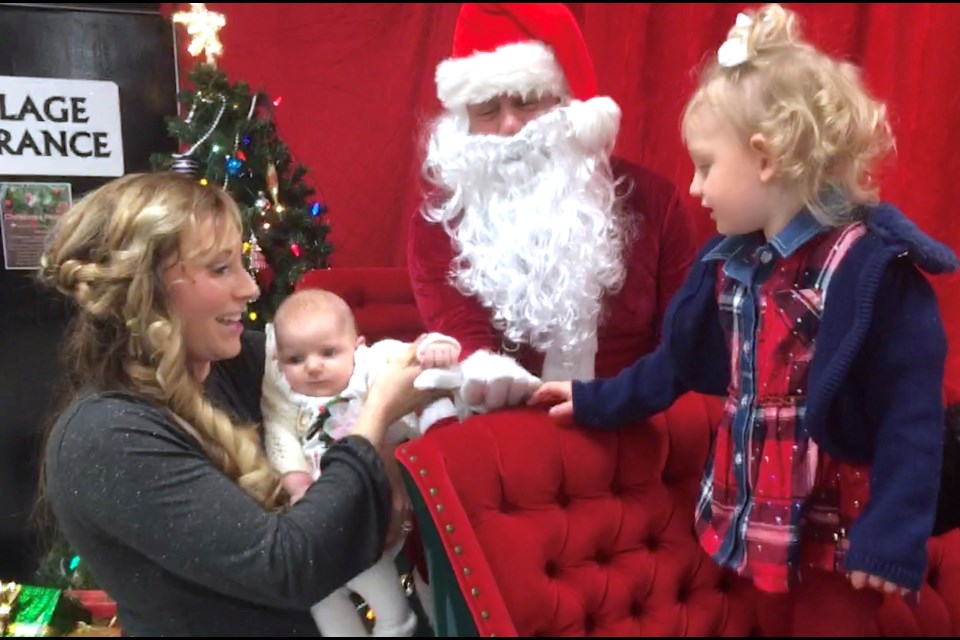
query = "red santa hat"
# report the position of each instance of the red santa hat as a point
(526, 48)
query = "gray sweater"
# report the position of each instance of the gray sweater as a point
(181, 548)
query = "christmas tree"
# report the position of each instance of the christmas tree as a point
(62, 568)
(229, 138)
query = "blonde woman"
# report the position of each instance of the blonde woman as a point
(154, 470)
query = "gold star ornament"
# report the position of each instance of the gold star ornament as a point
(203, 27)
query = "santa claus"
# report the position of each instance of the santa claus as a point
(541, 253)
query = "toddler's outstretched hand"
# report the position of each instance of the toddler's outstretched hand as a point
(557, 394)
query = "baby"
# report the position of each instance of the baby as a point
(321, 371)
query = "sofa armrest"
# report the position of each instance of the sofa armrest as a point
(466, 599)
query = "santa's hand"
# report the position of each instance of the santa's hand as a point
(492, 381)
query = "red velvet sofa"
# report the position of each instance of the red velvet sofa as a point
(534, 530)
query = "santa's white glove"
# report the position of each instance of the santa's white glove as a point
(492, 381)
(449, 379)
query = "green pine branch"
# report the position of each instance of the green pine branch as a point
(236, 150)
(62, 568)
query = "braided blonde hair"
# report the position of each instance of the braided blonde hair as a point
(106, 253)
(828, 133)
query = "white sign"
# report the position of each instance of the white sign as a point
(58, 127)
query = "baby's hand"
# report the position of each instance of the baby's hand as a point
(439, 355)
(296, 484)
(558, 394)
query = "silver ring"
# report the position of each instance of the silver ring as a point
(407, 526)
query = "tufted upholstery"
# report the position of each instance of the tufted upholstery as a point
(543, 530)
(531, 529)
(381, 299)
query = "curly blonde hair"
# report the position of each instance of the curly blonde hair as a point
(827, 131)
(106, 253)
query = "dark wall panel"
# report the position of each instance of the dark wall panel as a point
(129, 44)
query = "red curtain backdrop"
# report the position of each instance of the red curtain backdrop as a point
(356, 83)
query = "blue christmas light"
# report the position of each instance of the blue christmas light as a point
(234, 165)
(317, 209)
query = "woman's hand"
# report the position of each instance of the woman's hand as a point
(296, 484)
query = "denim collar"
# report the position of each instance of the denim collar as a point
(798, 231)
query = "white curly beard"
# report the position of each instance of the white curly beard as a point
(535, 222)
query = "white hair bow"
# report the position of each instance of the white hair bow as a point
(734, 51)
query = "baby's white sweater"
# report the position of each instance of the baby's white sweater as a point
(288, 416)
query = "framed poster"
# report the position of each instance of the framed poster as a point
(27, 211)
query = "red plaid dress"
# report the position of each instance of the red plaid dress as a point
(772, 503)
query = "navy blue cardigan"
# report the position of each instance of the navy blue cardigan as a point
(875, 382)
